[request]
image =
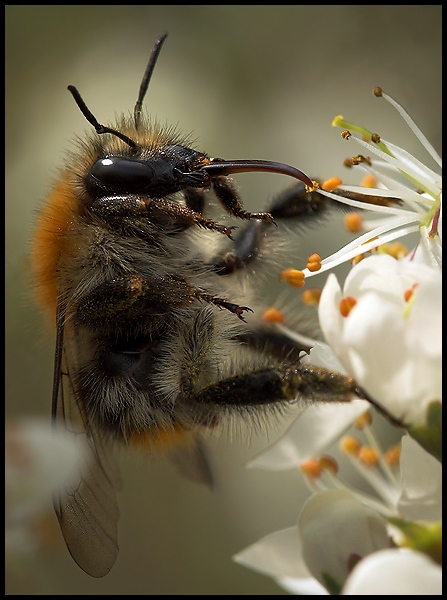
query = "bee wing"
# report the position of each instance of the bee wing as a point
(191, 459)
(86, 506)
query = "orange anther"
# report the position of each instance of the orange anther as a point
(311, 467)
(311, 297)
(350, 445)
(392, 455)
(293, 277)
(353, 222)
(363, 420)
(368, 456)
(328, 463)
(346, 305)
(314, 262)
(409, 293)
(396, 250)
(273, 315)
(369, 181)
(331, 184)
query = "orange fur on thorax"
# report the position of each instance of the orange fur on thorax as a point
(52, 243)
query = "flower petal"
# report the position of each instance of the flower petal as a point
(421, 497)
(277, 555)
(390, 345)
(335, 527)
(314, 430)
(302, 587)
(395, 572)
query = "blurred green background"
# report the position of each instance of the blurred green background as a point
(248, 82)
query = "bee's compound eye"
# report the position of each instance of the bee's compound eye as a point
(118, 174)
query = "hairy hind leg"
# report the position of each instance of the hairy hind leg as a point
(282, 383)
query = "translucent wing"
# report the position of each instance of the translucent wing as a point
(190, 458)
(87, 506)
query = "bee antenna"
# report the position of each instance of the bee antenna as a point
(92, 119)
(147, 77)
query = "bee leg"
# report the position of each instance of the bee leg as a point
(227, 194)
(222, 303)
(285, 382)
(131, 294)
(295, 202)
(113, 209)
(194, 199)
(184, 215)
(244, 250)
(111, 298)
(292, 203)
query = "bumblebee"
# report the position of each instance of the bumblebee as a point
(154, 344)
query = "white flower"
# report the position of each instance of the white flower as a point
(397, 572)
(311, 558)
(38, 460)
(407, 196)
(337, 531)
(334, 531)
(339, 527)
(385, 328)
(420, 495)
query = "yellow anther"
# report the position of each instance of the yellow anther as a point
(396, 250)
(350, 445)
(313, 188)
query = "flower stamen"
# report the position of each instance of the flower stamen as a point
(406, 209)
